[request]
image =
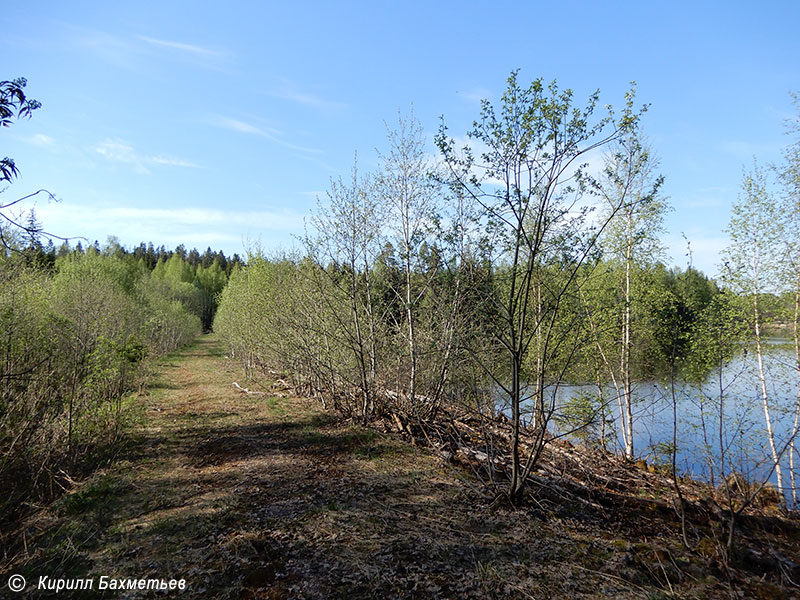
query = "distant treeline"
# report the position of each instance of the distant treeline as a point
(46, 253)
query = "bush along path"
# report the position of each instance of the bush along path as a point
(225, 492)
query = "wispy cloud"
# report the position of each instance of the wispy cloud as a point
(187, 225)
(172, 161)
(291, 92)
(136, 52)
(41, 140)
(243, 127)
(191, 48)
(268, 220)
(119, 151)
(269, 133)
(120, 51)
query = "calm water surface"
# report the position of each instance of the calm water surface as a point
(701, 446)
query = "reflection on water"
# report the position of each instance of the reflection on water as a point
(731, 396)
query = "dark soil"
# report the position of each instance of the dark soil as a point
(265, 495)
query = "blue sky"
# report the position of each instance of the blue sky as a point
(214, 124)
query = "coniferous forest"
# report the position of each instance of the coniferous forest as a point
(502, 304)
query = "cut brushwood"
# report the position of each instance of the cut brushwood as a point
(246, 391)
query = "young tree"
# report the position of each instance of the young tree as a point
(789, 176)
(345, 247)
(630, 188)
(531, 147)
(409, 192)
(751, 270)
(210, 281)
(716, 337)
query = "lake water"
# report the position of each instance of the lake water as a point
(701, 445)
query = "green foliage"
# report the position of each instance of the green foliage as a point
(407, 297)
(579, 416)
(667, 308)
(13, 105)
(210, 280)
(196, 288)
(752, 260)
(74, 342)
(255, 314)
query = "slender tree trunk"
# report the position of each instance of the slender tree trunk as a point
(761, 374)
(515, 353)
(538, 398)
(611, 373)
(362, 363)
(517, 481)
(373, 350)
(675, 482)
(412, 348)
(796, 424)
(328, 365)
(626, 345)
(449, 336)
(601, 403)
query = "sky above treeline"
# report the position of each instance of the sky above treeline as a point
(220, 124)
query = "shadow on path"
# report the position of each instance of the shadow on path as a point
(257, 496)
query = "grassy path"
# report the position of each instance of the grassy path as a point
(266, 496)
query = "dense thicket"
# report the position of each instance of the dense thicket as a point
(204, 274)
(284, 314)
(496, 276)
(421, 284)
(77, 335)
(295, 316)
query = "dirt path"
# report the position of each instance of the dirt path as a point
(266, 496)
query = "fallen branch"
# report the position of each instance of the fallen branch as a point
(246, 391)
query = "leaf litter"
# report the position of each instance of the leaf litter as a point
(268, 496)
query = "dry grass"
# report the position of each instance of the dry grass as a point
(264, 496)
